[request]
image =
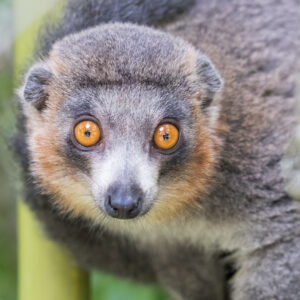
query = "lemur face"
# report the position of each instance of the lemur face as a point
(125, 165)
(119, 125)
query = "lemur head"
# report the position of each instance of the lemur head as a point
(119, 124)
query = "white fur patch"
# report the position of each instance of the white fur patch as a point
(128, 167)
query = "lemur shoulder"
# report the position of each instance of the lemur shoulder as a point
(151, 135)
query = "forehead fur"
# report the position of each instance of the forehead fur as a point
(124, 53)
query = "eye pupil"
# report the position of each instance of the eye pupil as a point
(87, 133)
(166, 136)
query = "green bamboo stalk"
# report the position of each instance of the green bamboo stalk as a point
(46, 270)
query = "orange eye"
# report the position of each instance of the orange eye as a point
(87, 133)
(166, 136)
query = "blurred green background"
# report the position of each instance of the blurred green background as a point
(8, 188)
(103, 286)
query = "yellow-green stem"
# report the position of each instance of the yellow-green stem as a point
(46, 271)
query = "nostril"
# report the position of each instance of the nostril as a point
(130, 211)
(135, 205)
(115, 209)
(109, 199)
(110, 208)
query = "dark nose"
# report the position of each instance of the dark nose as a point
(123, 202)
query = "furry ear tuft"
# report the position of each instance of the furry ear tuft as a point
(35, 86)
(209, 78)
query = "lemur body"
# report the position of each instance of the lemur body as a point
(217, 197)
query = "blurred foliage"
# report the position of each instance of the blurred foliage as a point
(104, 286)
(7, 167)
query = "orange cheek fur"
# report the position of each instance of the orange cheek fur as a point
(179, 197)
(52, 172)
(71, 193)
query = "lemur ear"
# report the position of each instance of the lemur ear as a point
(35, 87)
(209, 78)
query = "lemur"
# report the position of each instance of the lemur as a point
(151, 135)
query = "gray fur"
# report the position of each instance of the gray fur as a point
(247, 213)
(79, 15)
